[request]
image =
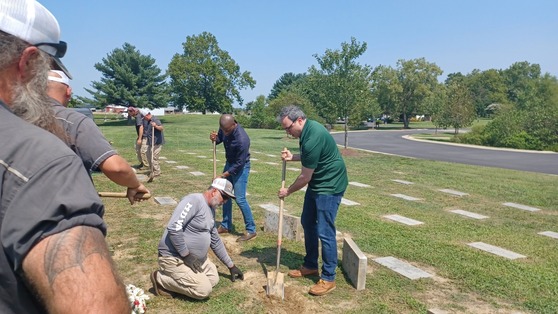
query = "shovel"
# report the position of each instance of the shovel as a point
(145, 196)
(275, 279)
(152, 144)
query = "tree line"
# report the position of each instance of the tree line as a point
(521, 101)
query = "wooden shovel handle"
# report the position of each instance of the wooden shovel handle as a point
(145, 196)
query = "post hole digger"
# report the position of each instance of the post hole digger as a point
(275, 279)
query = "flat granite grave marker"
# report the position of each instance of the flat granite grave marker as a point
(406, 197)
(347, 202)
(164, 200)
(402, 267)
(201, 156)
(496, 250)
(182, 167)
(272, 163)
(524, 207)
(142, 177)
(454, 192)
(197, 173)
(468, 214)
(403, 182)
(354, 263)
(549, 234)
(293, 169)
(404, 220)
(360, 185)
(170, 162)
(162, 158)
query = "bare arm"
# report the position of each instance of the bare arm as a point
(73, 270)
(120, 172)
(140, 134)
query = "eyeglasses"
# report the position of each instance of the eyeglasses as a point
(60, 47)
(290, 126)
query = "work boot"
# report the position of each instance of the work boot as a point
(222, 230)
(247, 236)
(303, 271)
(160, 291)
(322, 287)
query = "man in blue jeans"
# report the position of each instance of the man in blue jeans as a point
(237, 170)
(323, 169)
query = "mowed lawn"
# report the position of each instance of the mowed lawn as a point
(464, 279)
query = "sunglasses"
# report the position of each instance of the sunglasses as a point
(60, 47)
(224, 196)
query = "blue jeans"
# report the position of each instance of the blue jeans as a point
(318, 221)
(239, 181)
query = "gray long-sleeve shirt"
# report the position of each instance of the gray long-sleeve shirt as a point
(191, 230)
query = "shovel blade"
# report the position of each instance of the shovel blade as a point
(275, 284)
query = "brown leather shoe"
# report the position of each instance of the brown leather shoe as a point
(322, 287)
(222, 230)
(247, 236)
(160, 291)
(303, 271)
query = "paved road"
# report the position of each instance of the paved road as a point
(393, 142)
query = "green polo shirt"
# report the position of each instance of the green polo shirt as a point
(319, 151)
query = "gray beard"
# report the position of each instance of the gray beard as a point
(32, 104)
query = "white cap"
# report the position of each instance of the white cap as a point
(145, 112)
(30, 21)
(62, 79)
(224, 186)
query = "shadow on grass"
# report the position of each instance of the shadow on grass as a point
(267, 258)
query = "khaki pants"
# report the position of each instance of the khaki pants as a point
(156, 152)
(141, 152)
(175, 276)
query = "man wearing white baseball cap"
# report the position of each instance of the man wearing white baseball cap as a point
(54, 257)
(184, 266)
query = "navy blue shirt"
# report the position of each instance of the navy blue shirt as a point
(237, 148)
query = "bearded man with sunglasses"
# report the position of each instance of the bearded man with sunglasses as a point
(184, 267)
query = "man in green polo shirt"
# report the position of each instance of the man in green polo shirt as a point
(323, 169)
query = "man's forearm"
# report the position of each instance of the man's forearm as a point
(73, 270)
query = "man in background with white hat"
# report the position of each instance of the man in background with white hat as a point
(54, 257)
(183, 264)
(87, 141)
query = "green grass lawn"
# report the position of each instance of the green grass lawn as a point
(466, 280)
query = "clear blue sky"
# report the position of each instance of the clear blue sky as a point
(270, 38)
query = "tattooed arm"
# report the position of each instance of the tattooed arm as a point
(72, 271)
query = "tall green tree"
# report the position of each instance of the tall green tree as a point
(459, 111)
(206, 78)
(487, 88)
(129, 78)
(341, 86)
(402, 90)
(285, 83)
